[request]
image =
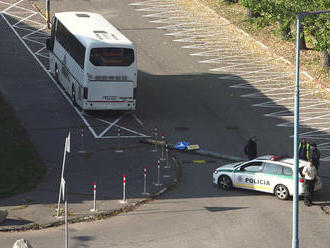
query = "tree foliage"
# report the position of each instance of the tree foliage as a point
(284, 13)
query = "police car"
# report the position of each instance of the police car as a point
(271, 174)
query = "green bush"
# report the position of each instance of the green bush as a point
(21, 169)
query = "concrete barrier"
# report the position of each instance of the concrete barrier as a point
(22, 243)
(3, 215)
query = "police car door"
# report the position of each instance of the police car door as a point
(270, 176)
(247, 175)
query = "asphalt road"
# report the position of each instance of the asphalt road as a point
(48, 118)
(196, 214)
(186, 102)
(177, 93)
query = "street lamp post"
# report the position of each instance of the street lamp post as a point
(48, 13)
(295, 238)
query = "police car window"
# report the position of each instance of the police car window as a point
(270, 168)
(287, 171)
(252, 167)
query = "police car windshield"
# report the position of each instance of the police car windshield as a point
(238, 164)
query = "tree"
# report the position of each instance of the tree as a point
(315, 28)
(319, 29)
(254, 8)
(282, 12)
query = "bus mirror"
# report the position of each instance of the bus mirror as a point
(49, 44)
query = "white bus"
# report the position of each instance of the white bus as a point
(93, 61)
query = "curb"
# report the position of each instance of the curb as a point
(103, 215)
(197, 152)
(96, 216)
(205, 153)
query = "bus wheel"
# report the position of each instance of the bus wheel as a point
(56, 74)
(73, 96)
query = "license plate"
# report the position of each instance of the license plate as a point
(110, 98)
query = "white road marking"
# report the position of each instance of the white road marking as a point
(24, 19)
(257, 74)
(12, 5)
(111, 125)
(121, 127)
(26, 16)
(137, 119)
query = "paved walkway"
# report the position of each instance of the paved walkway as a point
(37, 209)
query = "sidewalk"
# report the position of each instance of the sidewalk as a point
(37, 209)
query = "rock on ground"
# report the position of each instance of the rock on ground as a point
(22, 243)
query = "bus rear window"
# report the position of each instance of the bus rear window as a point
(111, 56)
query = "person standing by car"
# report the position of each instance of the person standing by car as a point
(303, 149)
(309, 172)
(250, 148)
(314, 156)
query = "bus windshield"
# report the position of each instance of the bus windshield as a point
(111, 56)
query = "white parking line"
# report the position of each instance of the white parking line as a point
(44, 68)
(24, 19)
(111, 125)
(121, 127)
(228, 49)
(25, 16)
(11, 5)
(37, 31)
(41, 49)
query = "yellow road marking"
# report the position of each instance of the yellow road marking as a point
(199, 161)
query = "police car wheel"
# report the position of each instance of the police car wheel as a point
(225, 183)
(281, 192)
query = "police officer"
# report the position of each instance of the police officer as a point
(314, 155)
(250, 148)
(309, 172)
(304, 149)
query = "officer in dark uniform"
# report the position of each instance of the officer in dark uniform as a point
(314, 156)
(250, 148)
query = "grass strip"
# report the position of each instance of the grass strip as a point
(21, 168)
(309, 60)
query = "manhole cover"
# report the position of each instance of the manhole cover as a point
(182, 128)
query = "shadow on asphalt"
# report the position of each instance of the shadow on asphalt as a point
(322, 198)
(14, 222)
(210, 209)
(220, 209)
(83, 238)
